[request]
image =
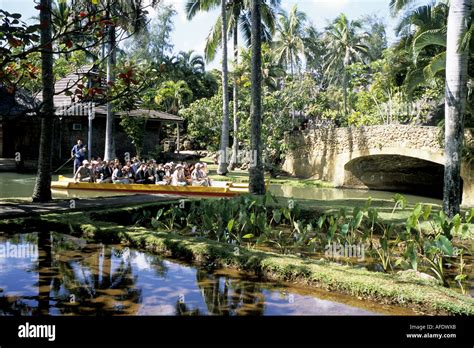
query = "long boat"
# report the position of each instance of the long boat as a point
(218, 188)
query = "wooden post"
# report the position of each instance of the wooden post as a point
(177, 137)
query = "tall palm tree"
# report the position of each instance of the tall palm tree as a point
(455, 103)
(238, 17)
(290, 38)
(224, 145)
(192, 7)
(344, 46)
(256, 170)
(42, 190)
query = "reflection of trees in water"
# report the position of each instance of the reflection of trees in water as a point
(46, 271)
(98, 288)
(158, 265)
(230, 297)
(19, 305)
(86, 273)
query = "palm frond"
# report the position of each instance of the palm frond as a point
(435, 37)
(213, 40)
(413, 79)
(397, 5)
(192, 7)
(436, 65)
(467, 41)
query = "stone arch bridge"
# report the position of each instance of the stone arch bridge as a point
(401, 158)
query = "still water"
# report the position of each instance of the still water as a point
(56, 274)
(21, 185)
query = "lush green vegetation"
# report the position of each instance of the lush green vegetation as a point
(426, 240)
(344, 74)
(349, 76)
(405, 289)
(292, 77)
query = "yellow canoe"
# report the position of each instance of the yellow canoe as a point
(221, 188)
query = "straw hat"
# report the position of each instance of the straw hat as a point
(85, 162)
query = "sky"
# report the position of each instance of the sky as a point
(191, 35)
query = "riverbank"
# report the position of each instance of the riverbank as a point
(424, 296)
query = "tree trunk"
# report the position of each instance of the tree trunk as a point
(235, 144)
(346, 81)
(291, 65)
(456, 92)
(222, 169)
(256, 171)
(42, 190)
(109, 153)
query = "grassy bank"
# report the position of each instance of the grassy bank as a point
(392, 289)
(421, 295)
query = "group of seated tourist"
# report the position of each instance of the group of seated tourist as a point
(138, 172)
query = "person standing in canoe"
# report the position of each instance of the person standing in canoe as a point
(78, 151)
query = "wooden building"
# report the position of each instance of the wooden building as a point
(20, 126)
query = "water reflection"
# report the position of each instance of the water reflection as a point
(68, 276)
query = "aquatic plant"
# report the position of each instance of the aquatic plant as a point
(461, 277)
(424, 240)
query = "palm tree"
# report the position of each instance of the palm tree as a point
(344, 46)
(190, 62)
(313, 53)
(222, 168)
(238, 16)
(290, 38)
(256, 171)
(272, 71)
(423, 30)
(455, 103)
(398, 5)
(192, 7)
(42, 190)
(173, 95)
(60, 16)
(130, 17)
(109, 151)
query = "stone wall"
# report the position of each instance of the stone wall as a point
(399, 151)
(339, 140)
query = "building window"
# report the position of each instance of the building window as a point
(76, 126)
